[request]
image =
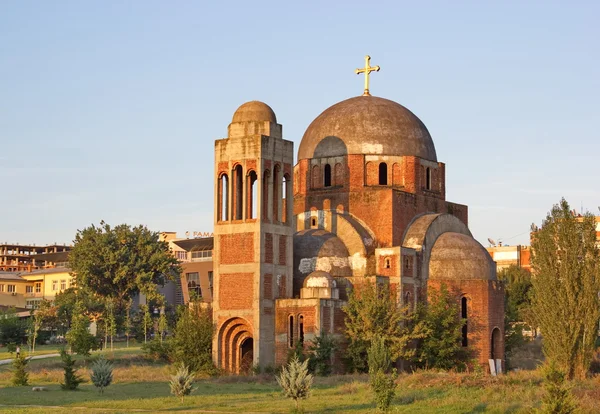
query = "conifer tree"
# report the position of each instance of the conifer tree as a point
(79, 337)
(566, 282)
(102, 374)
(20, 375)
(295, 380)
(72, 380)
(182, 382)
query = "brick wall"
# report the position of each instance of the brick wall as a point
(236, 248)
(235, 290)
(268, 248)
(282, 250)
(268, 286)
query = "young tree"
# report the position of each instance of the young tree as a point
(372, 311)
(110, 322)
(182, 382)
(72, 380)
(120, 262)
(295, 381)
(79, 337)
(382, 382)
(146, 320)
(33, 326)
(557, 398)
(441, 331)
(192, 340)
(517, 304)
(20, 376)
(321, 351)
(128, 321)
(102, 374)
(566, 282)
(162, 325)
(12, 329)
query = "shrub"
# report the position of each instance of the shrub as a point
(181, 383)
(321, 348)
(295, 380)
(157, 350)
(72, 380)
(382, 384)
(192, 342)
(558, 398)
(101, 374)
(20, 376)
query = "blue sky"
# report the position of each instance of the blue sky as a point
(109, 110)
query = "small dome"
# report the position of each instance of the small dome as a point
(254, 111)
(319, 279)
(460, 257)
(367, 125)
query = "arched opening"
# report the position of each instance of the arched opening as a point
(464, 316)
(383, 174)
(301, 329)
(223, 210)
(287, 198)
(291, 331)
(231, 350)
(313, 222)
(276, 194)
(246, 355)
(265, 195)
(238, 184)
(327, 176)
(387, 263)
(496, 345)
(428, 178)
(252, 190)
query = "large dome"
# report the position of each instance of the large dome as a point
(460, 257)
(367, 125)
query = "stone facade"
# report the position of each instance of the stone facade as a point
(369, 203)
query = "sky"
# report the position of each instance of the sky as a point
(109, 110)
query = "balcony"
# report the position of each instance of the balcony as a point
(34, 295)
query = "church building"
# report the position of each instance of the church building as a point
(365, 201)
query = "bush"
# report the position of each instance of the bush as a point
(192, 342)
(157, 350)
(558, 398)
(181, 383)
(72, 380)
(20, 376)
(101, 374)
(295, 380)
(321, 348)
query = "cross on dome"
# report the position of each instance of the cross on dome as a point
(367, 70)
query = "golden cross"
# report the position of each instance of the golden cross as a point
(367, 70)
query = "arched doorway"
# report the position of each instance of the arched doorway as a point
(235, 345)
(496, 345)
(246, 355)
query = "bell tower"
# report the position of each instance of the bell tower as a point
(253, 232)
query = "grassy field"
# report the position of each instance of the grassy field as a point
(45, 350)
(142, 386)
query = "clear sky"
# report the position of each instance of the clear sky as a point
(109, 110)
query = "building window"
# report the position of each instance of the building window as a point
(383, 173)
(463, 312)
(32, 304)
(210, 281)
(54, 285)
(202, 255)
(28, 289)
(38, 287)
(291, 331)
(428, 178)
(327, 176)
(181, 255)
(238, 183)
(193, 280)
(301, 329)
(223, 212)
(387, 263)
(1, 288)
(12, 288)
(63, 284)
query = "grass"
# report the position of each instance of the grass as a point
(50, 349)
(142, 385)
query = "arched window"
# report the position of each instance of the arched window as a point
(301, 329)
(291, 331)
(327, 176)
(276, 193)
(251, 190)
(387, 263)
(238, 183)
(383, 174)
(287, 198)
(223, 198)
(265, 195)
(463, 314)
(428, 178)
(313, 221)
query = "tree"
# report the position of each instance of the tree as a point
(557, 398)
(295, 381)
(381, 381)
(79, 337)
(110, 322)
(67, 300)
(33, 326)
(192, 340)
(128, 321)
(182, 382)
(101, 376)
(440, 331)
(566, 282)
(517, 304)
(162, 325)
(321, 351)
(20, 376)
(120, 262)
(12, 329)
(146, 321)
(372, 312)
(72, 380)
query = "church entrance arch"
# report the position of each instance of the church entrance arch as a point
(496, 345)
(236, 345)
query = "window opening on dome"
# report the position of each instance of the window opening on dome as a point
(237, 192)
(383, 174)
(251, 200)
(327, 176)
(291, 331)
(301, 329)
(463, 312)
(387, 263)
(428, 178)
(223, 198)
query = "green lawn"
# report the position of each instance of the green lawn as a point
(50, 349)
(142, 385)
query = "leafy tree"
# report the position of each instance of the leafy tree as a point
(146, 321)
(162, 325)
(120, 262)
(102, 374)
(34, 324)
(20, 376)
(372, 312)
(295, 381)
(47, 312)
(12, 329)
(382, 382)
(79, 337)
(566, 282)
(128, 321)
(67, 300)
(182, 382)
(72, 380)
(517, 304)
(440, 331)
(110, 322)
(321, 351)
(558, 398)
(192, 340)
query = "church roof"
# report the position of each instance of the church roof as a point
(254, 111)
(367, 125)
(457, 256)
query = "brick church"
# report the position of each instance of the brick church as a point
(366, 200)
